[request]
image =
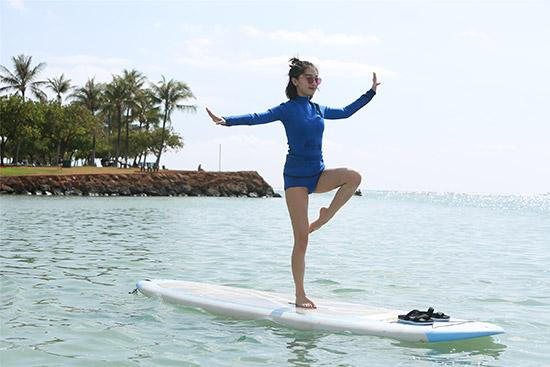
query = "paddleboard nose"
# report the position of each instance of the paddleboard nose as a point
(140, 284)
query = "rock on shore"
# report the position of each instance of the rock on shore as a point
(170, 183)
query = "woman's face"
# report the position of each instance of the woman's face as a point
(307, 83)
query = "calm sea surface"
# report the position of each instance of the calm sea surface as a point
(68, 263)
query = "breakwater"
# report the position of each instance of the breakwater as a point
(164, 183)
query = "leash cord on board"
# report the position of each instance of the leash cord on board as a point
(136, 290)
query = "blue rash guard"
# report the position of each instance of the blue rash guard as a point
(304, 125)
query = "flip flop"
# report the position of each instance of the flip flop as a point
(416, 317)
(440, 317)
(420, 319)
(434, 316)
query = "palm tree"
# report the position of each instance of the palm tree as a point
(134, 82)
(24, 77)
(59, 86)
(168, 95)
(90, 96)
(116, 94)
(147, 113)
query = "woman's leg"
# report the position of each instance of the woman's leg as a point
(347, 180)
(297, 201)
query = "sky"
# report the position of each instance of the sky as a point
(463, 105)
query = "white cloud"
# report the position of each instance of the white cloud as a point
(291, 36)
(201, 61)
(252, 32)
(89, 60)
(79, 74)
(79, 68)
(265, 64)
(16, 4)
(475, 35)
(495, 149)
(341, 67)
(318, 36)
(198, 43)
(327, 66)
(197, 52)
(311, 36)
(348, 39)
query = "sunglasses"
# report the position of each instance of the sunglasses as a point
(310, 79)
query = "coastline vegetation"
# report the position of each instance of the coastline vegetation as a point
(121, 122)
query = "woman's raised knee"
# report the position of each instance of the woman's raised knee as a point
(354, 177)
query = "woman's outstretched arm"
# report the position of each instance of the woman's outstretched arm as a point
(273, 114)
(342, 113)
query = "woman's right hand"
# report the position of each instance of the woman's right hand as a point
(375, 83)
(218, 120)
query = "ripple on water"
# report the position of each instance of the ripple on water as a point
(326, 282)
(65, 279)
(348, 290)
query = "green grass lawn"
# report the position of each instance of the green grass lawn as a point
(18, 171)
(25, 170)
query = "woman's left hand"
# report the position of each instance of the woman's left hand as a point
(374, 82)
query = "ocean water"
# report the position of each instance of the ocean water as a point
(68, 263)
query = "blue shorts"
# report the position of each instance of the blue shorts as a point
(310, 182)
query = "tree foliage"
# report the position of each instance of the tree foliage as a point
(90, 122)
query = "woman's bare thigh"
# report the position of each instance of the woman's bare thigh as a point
(297, 202)
(331, 179)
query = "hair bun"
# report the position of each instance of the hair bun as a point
(295, 62)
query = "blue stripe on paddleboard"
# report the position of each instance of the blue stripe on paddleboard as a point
(442, 337)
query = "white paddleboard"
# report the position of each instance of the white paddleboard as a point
(251, 304)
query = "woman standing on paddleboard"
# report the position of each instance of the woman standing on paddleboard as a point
(304, 171)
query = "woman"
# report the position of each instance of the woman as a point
(304, 170)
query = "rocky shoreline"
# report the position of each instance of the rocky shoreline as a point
(166, 183)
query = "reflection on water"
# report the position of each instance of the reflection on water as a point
(305, 345)
(461, 352)
(301, 345)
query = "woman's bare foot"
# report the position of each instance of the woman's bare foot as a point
(304, 302)
(323, 218)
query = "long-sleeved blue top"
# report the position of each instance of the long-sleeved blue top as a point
(304, 125)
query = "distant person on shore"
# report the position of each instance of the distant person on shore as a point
(304, 172)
